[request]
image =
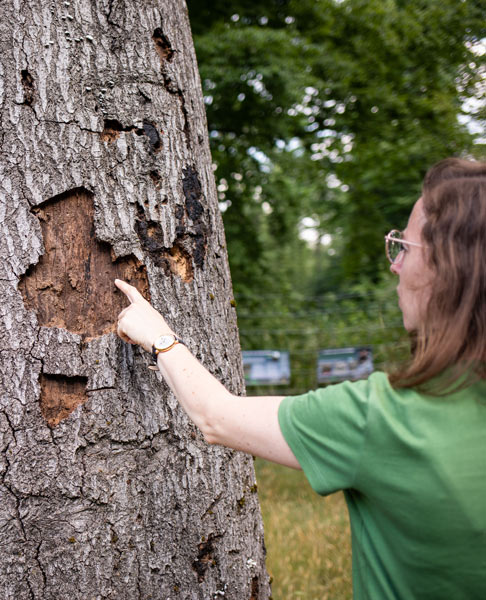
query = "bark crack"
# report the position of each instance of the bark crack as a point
(108, 16)
(100, 389)
(175, 90)
(41, 568)
(14, 494)
(112, 129)
(209, 510)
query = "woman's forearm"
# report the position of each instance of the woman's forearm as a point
(248, 424)
(200, 394)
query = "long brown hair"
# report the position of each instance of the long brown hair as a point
(449, 348)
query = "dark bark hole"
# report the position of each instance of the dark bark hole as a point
(149, 233)
(162, 45)
(112, 128)
(204, 559)
(156, 179)
(71, 286)
(255, 588)
(153, 135)
(28, 86)
(60, 395)
(199, 246)
(195, 211)
(192, 193)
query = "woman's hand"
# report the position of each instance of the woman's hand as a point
(139, 323)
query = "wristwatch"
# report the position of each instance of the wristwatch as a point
(163, 343)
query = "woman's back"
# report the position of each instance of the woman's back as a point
(414, 473)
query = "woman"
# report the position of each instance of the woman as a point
(408, 450)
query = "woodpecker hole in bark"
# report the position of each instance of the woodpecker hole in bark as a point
(254, 588)
(156, 180)
(28, 86)
(180, 263)
(112, 129)
(162, 45)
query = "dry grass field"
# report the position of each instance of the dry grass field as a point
(307, 537)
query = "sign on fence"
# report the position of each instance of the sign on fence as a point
(339, 364)
(266, 367)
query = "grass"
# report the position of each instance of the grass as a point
(307, 537)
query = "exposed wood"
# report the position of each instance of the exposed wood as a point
(71, 286)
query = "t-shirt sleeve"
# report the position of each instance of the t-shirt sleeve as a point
(326, 431)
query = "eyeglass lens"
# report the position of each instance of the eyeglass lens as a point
(394, 247)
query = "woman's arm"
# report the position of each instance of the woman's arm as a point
(247, 424)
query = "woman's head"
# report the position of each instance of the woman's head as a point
(413, 271)
(449, 318)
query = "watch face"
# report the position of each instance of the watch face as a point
(164, 341)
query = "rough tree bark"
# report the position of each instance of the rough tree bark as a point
(106, 489)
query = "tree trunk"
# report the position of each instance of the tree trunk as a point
(107, 490)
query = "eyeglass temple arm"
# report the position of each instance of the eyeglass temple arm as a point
(390, 238)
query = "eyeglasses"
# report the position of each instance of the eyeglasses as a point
(395, 245)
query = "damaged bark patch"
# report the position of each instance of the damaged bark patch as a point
(175, 260)
(195, 211)
(28, 87)
(71, 286)
(162, 45)
(60, 395)
(112, 129)
(205, 558)
(180, 263)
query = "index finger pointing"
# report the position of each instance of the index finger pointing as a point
(130, 292)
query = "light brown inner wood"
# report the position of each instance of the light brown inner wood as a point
(72, 284)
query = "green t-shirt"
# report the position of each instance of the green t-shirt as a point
(413, 469)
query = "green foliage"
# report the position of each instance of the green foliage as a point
(332, 110)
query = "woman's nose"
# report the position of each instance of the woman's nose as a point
(395, 268)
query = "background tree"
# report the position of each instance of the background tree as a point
(352, 100)
(106, 489)
(327, 113)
